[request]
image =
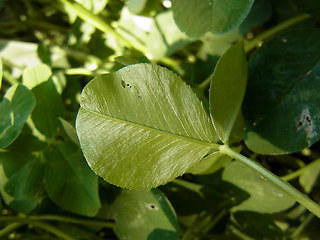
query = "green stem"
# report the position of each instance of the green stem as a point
(47, 227)
(98, 22)
(10, 79)
(8, 229)
(80, 221)
(297, 173)
(272, 31)
(301, 198)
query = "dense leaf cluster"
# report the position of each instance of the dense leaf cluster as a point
(157, 119)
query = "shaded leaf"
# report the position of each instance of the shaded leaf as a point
(210, 164)
(69, 131)
(281, 108)
(145, 214)
(257, 226)
(22, 173)
(310, 176)
(196, 17)
(0, 73)
(142, 126)
(311, 7)
(23, 190)
(227, 88)
(15, 108)
(69, 181)
(49, 105)
(265, 197)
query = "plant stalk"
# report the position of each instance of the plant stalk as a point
(274, 30)
(301, 198)
(47, 227)
(297, 173)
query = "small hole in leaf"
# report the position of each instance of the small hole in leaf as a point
(128, 85)
(152, 206)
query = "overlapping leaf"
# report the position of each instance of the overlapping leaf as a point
(227, 88)
(142, 126)
(196, 17)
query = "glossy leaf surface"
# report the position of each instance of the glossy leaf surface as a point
(265, 197)
(69, 181)
(281, 106)
(142, 126)
(196, 17)
(227, 88)
(145, 214)
(15, 108)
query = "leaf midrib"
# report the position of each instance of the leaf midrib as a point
(161, 132)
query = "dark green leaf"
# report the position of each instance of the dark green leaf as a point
(309, 6)
(281, 106)
(49, 105)
(196, 17)
(23, 190)
(0, 73)
(15, 108)
(22, 173)
(69, 181)
(133, 123)
(227, 88)
(145, 214)
(266, 197)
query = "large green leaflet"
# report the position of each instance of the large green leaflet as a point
(142, 126)
(196, 17)
(281, 107)
(145, 214)
(15, 108)
(227, 88)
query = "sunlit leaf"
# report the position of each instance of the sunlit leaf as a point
(227, 88)
(142, 126)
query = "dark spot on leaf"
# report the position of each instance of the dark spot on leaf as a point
(152, 206)
(299, 124)
(128, 85)
(123, 84)
(139, 95)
